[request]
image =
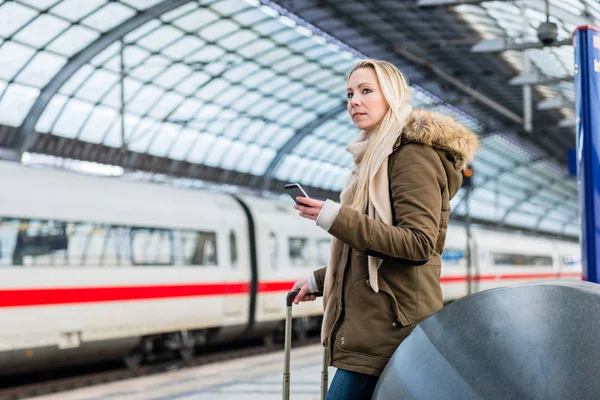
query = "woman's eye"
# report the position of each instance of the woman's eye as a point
(349, 95)
(365, 91)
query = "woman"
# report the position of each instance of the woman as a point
(389, 231)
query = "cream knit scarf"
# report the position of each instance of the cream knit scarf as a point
(379, 208)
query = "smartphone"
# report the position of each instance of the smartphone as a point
(295, 190)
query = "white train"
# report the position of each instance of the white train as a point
(98, 268)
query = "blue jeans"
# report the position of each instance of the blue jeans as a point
(348, 385)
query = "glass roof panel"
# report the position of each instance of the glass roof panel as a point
(183, 47)
(522, 219)
(139, 133)
(163, 139)
(572, 229)
(231, 157)
(264, 159)
(109, 16)
(73, 40)
(72, 117)
(41, 30)
(551, 226)
(142, 31)
(482, 210)
(246, 162)
(196, 19)
(40, 69)
(529, 208)
(17, 54)
(97, 85)
(218, 30)
(55, 106)
(557, 215)
(13, 16)
(75, 10)
(159, 38)
(16, 102)
(96, 126)
(40, 4)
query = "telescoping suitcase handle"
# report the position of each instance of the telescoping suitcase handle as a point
(289, 301)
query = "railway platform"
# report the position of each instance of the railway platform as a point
(250, 378)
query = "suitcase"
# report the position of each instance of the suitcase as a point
(287, 347)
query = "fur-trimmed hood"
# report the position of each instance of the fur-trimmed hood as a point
(442, 132)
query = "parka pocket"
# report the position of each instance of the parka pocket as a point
(396, 309)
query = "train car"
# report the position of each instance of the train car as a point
(100, 268)
(503, 258)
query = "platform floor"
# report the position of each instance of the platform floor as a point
(251, 378)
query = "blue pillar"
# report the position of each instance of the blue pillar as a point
(587, 97)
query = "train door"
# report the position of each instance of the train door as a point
(272, 272)
(237, 277)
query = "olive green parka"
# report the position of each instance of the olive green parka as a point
(424, 173)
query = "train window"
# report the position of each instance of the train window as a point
(78, 237)
(274, 254)
(299, 251)
(116, 249)
(570, 260)
(233, 249)
(199, 248)
(521, 260)
(40, 243)
(151, 246)
(453, 256)
(8, 240)
(323, 251)
(94, 245)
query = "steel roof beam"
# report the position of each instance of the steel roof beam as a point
(292, 142)
(567, 123)
(26, 135)
(435, 3)
(500, 44)
(535, 78)
(560, 13)
(459, 85)
(554, 103)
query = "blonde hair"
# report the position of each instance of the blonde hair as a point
(395, 91)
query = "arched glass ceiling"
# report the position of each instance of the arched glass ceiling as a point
(227, 83)
(203, 83)
(38, 36)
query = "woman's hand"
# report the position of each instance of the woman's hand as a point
(312, 208)
(304, 289)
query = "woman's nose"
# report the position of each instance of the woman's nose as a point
(355, 100)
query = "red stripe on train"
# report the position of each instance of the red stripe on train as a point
(48, 296)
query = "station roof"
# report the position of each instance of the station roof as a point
(252, 93)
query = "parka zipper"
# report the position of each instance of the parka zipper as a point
(337, 324)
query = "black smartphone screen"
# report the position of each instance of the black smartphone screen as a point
(295, 190)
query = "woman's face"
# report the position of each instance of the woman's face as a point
(366, 103)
